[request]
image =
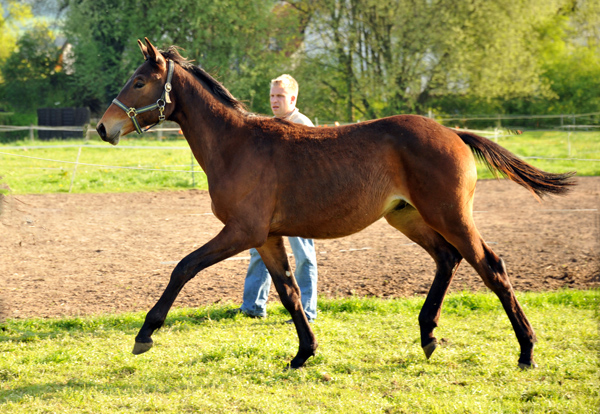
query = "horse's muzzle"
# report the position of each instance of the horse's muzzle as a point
(101, 129)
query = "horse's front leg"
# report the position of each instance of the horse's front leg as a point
(229, 242)
(275, 259)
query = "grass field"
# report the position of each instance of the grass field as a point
(369, 360)
(150, 165)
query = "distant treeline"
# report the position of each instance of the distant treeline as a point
(354, 59)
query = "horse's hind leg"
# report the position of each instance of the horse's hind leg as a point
(463, 235)
(275, 259)
(492, 270)
(447, 259)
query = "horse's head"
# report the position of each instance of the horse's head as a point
(144, 99)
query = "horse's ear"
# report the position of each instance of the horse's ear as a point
(143, 48)
(155, 55)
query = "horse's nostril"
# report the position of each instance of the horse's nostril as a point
(101, 131)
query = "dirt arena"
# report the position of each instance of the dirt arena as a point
(74, 254)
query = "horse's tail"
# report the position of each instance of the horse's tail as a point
(499, 159)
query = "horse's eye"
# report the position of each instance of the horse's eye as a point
(138, 85)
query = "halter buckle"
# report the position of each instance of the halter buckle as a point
(161, 108)
(160, 104)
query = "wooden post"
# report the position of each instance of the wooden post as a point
(192, 164)
(74, 170)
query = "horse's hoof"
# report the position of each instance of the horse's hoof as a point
(300, 359)
(141, 347)
(296, 363)
(527, 366)
(429, 348)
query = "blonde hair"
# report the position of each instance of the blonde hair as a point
(286, 82)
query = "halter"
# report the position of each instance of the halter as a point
(159, 104)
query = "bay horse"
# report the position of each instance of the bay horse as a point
(269, 178)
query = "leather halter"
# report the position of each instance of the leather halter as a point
(159, 104)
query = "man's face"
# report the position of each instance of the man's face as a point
(282, 101)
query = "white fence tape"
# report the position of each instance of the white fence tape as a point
(96, 165)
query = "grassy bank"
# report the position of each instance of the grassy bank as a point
(369, 360)
(133, 165)
(150, 165)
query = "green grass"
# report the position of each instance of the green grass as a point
(574, 151)
(37, 175)
(369, 360)
(30, 172)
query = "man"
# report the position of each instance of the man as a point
(284, 94)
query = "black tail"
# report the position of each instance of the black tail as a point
(499, 159)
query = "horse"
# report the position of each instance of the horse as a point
(270, 178)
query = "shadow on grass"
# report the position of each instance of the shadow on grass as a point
(462, 304)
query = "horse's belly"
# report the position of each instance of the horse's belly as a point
(327, 223)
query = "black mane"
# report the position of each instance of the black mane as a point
(214, 86)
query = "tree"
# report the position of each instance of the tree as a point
(32, 77)
(15, 13)
(383, 58)
(231, 39)
(570, 61)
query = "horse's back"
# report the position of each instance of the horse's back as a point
(353, 175)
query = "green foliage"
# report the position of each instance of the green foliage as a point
(569, 60)
(241, 42)
(369, 360)
(382, 60)
(12, 13)
(32, 77)
(354, 59)
(18, 118)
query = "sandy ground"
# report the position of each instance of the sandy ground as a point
(74, 254)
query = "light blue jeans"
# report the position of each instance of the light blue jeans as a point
(258, 280)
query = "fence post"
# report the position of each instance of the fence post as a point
(31, 132)
(75, 169)
(192, 164)
(86, 130)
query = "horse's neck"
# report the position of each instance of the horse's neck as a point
(207, 124)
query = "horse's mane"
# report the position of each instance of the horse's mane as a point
(214, 86)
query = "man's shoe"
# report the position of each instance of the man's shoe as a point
(234, 312)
